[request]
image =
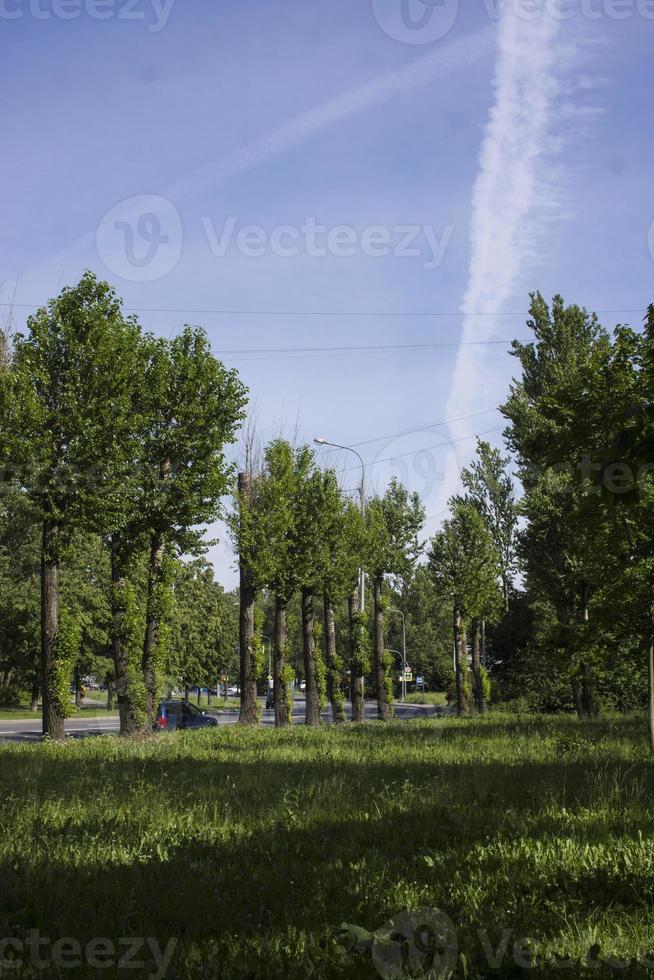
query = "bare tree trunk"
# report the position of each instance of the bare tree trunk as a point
(249, 713)
(383, 702)
(312, 703)
(110, 696)
(199, 695)
(53, 717)
(357, 681)
(126, 708)
(334, 692)
(480, 700)
(280, 690)
(152, 625)
(461, 665)
(36, 690)
(78, 688)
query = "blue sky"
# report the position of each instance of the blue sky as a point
(515, 149)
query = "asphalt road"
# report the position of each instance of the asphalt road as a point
(29, 730)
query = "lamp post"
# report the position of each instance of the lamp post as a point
(269, 642)
(399, 654)
(362, 504)
(400, 613)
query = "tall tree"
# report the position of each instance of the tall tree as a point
(490, 488)
(558, 411)
(193, 407)
(307, 550)
(393, 524)
(465, 564)
(65, 403)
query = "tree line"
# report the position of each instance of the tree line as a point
(539, 585)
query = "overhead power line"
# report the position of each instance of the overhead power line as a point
(314, 313)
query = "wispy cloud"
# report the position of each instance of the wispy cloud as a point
(520, 189)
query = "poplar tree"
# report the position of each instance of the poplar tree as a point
(65, 403)
(393, 523)
(465, 566)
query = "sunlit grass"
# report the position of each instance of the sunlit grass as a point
(252, 847)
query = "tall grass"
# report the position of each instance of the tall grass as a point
(252, 847)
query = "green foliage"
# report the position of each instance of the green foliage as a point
(393, 523)
(65, 405)
(464, 562)
(360, 660)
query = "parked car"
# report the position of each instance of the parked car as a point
(270, 699)
(233, 691)
(173, 715)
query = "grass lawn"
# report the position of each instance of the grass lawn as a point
(252, 847)
(23, 713)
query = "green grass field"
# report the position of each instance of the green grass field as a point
(251, 848)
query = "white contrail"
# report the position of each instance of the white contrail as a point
(517, 194)
(440, 62)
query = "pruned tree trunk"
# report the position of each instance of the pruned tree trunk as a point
(650, 674)
(53, 716)
(120, 652)
(199, 696)
(78, 688)
(480, 700)
(334, 692)
(357, 681)
(152, 625)
(249, 712)
(379, 665)
(312, 704)
(282, 716)
(34, 700)
(461, 665)
(110, 696)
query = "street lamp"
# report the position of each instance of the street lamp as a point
(362, 503)
(269, 642)
(400, 613)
